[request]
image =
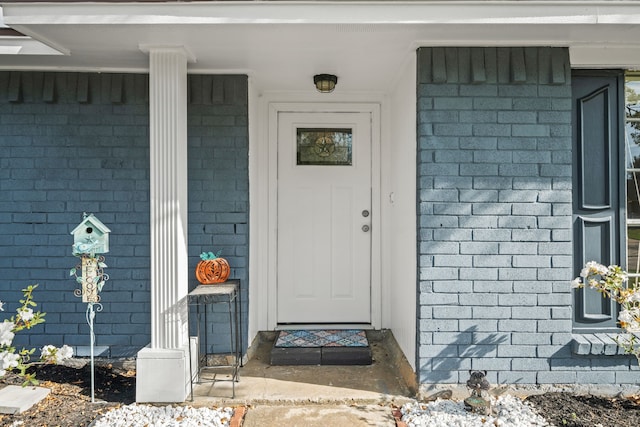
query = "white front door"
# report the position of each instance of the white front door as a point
(324, 218)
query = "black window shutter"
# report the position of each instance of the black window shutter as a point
(598, 193)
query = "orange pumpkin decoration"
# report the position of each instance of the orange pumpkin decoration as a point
(212, 271)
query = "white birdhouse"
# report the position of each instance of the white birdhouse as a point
(91, 236)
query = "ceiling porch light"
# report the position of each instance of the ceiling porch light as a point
(325, 83)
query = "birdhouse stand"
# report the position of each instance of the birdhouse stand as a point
(90, 240)
(90, 237)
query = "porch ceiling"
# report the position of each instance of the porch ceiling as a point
(283, 44)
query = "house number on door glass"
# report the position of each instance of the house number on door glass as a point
(324, 147)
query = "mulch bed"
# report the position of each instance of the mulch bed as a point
(69, 403)
(572, 410)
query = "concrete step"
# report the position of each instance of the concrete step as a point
(321, 347)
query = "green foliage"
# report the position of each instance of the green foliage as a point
(25, 318)
(631, 96)
(21, 321)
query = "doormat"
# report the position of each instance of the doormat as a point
(321, 347)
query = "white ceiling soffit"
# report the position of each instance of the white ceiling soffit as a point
(16, 44)
(282, 44)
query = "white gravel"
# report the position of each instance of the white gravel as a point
(507, 411)
(137, 415)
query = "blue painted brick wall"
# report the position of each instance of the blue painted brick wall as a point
(219, 188)
(495, 219)
(84, 147)
(81, 148)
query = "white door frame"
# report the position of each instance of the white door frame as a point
(270, 247)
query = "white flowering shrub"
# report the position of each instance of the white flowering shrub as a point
(611, 282)
(25, 318)
(52, 354)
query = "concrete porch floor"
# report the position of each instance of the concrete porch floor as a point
(339, 393)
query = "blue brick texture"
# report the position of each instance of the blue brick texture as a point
(219, 188)
(494, 219)
(84, 147)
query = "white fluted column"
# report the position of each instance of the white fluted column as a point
(163, 368)
(168, 155)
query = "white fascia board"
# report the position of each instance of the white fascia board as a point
(321, 12)
(627, 57)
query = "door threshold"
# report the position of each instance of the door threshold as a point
(287, 326)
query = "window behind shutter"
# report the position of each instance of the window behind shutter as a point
(598, 194)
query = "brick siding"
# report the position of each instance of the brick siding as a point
(219, 187)
(494, 129)
(78, 142)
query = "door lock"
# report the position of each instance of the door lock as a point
(365, 213)
(365, 228)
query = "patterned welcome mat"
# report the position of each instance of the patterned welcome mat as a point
(322, 338)
(321, 347)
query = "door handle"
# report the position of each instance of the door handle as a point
(365, 213)
(365, 228)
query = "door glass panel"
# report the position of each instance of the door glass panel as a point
(324, 147)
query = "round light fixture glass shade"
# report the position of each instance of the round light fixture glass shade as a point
(325, 83)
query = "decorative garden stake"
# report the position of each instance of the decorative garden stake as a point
(476, 403)
(90, 238)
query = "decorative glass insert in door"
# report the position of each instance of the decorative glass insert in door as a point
(632, 151)
(324, 147)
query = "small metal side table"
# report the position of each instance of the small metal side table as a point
(227, 293)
